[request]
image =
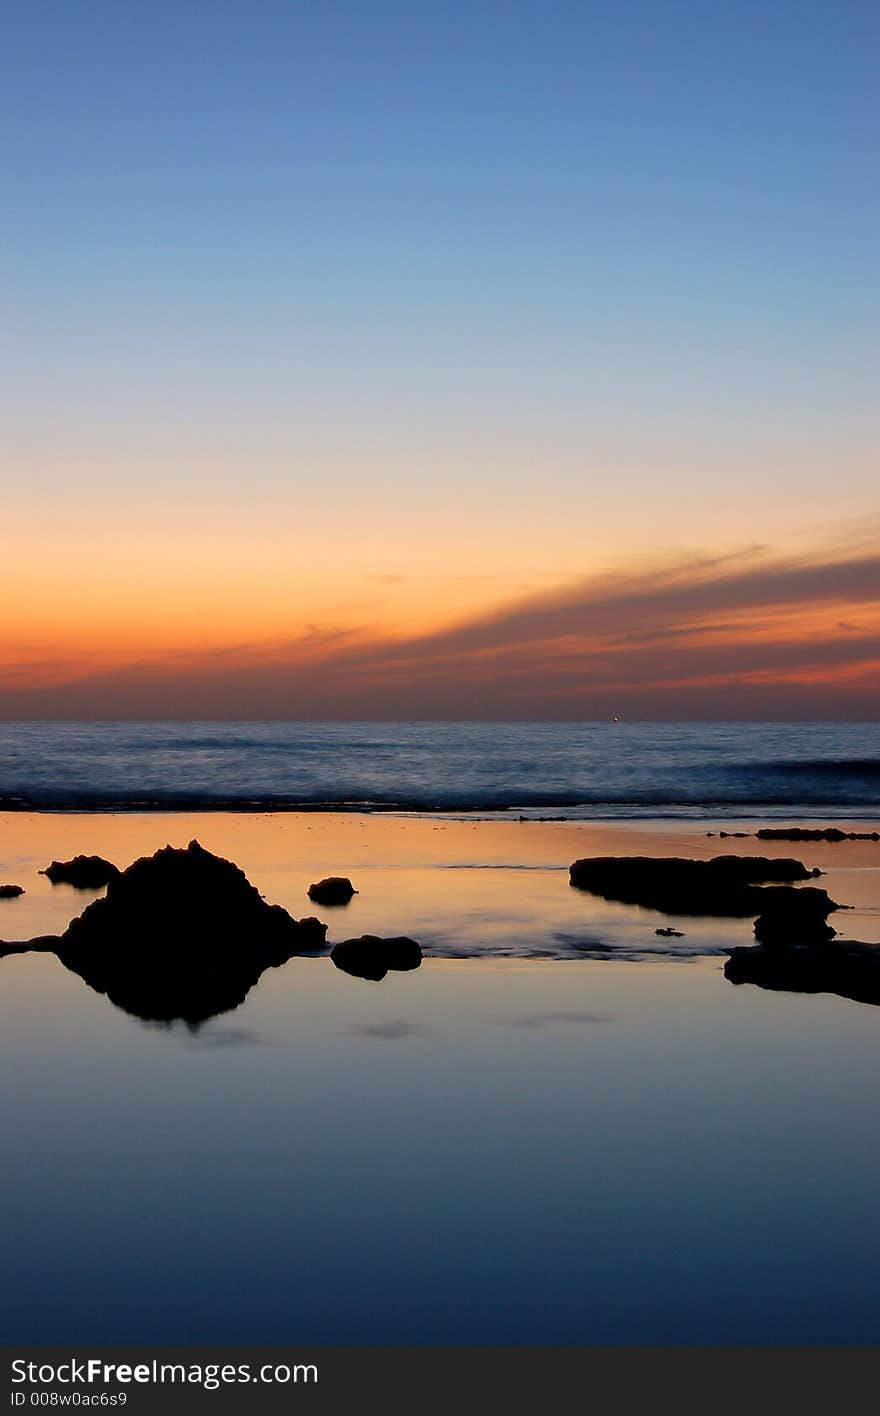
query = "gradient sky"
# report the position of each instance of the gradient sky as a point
(467, 360)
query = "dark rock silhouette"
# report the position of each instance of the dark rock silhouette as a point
(85, 872)
(845, 967)
(335, 890)
(809, 833)
(180, 934)
(725, 885)
(11, 892)
(371, 957)
(794, 916)
(669, 933)
(44, 944)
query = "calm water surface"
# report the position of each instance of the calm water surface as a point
(484, 1153)
(486, 1150)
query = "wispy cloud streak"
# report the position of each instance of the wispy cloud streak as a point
(751, 634)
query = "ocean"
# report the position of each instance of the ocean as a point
(578, 771)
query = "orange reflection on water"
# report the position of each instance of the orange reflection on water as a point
(461, 886)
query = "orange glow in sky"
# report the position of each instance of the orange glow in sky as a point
(185, 625)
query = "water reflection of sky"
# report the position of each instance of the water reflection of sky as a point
(483, 1150)
(475, 1152)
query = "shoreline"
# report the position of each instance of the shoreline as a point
(723, 814)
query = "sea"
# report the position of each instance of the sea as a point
(573, 770)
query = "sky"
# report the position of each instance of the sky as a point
(477, 360)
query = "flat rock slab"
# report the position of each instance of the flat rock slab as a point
(809, 833)
(725, 885)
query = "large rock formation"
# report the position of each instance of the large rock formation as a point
(725, 885)
(180, 934)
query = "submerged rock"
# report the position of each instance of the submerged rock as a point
(371, 957)
(725, 885)
(181, 934)
(334, 890)
(85, 872)
(845, 967)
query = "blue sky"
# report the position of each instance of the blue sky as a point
(544, 187)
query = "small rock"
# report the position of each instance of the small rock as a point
(789, 916)
(84, 872)
(669, 933)
(335, 890)
(371, 957)
(11, 892)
